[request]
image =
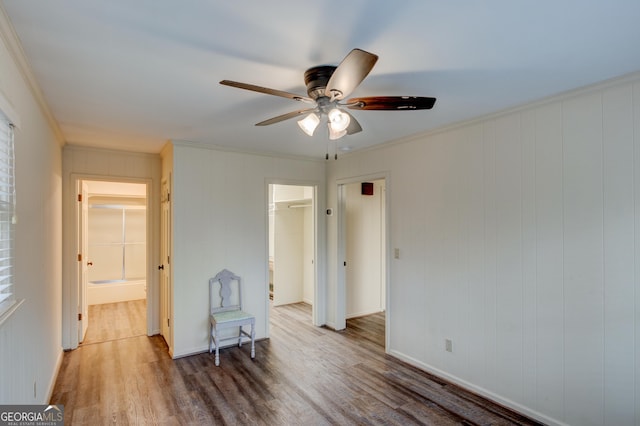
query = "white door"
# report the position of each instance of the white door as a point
(83, 259)
(165, 266)
(341, 259)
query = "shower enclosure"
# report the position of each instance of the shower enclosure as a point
(117, 249)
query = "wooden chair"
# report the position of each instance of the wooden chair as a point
(226, 312)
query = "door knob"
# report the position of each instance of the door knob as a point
(161, 267)
(89, 263)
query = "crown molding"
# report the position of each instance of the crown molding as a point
(630, 78)
(11, 40)
(214, 147)
(70, 147)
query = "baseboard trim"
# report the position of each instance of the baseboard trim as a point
(478, 390)
(54, 377)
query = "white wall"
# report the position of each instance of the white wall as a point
(291, 193)
(220, 221)
(364, 250)
(288, 259)
(30, 348)
(519, 238)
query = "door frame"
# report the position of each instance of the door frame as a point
(319, 300)
(75, 290)
(341, 278)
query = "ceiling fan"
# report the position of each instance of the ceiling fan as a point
(327, 86)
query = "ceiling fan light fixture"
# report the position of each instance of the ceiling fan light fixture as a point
(338, 120)
(309, 123)
(335, 134)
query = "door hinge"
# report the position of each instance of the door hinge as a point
(80, 197)
(168, 196)
(168, 325)
(80, 317)
(79, 257)
(168, 260)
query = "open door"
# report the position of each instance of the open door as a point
(83, 260)
(165, 268)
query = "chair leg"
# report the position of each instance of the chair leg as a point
(214, 335)
(210, 338)
(253, 341)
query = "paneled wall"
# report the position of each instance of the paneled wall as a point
(521, 246)
(30, 349)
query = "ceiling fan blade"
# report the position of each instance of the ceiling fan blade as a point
(266, 90)
(350, 73)
(354, 126)
(391, 103)
(284, 117)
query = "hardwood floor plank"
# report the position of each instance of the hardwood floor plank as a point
(428, 413)
(302, 375)
(112, 321)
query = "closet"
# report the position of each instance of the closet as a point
(291, 244)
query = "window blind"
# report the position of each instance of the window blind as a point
(7, 214)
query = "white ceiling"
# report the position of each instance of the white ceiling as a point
(132, 74)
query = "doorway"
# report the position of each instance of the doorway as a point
(292, 268)
(112, 228)
(363, 253)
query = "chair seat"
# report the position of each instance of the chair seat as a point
(230, 316)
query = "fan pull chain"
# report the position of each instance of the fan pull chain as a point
(335, 153)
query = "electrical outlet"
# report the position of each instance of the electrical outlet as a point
(448, 345)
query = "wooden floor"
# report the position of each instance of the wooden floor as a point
(113, 321)
(302, 375)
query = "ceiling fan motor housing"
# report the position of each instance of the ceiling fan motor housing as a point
(316, 79)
